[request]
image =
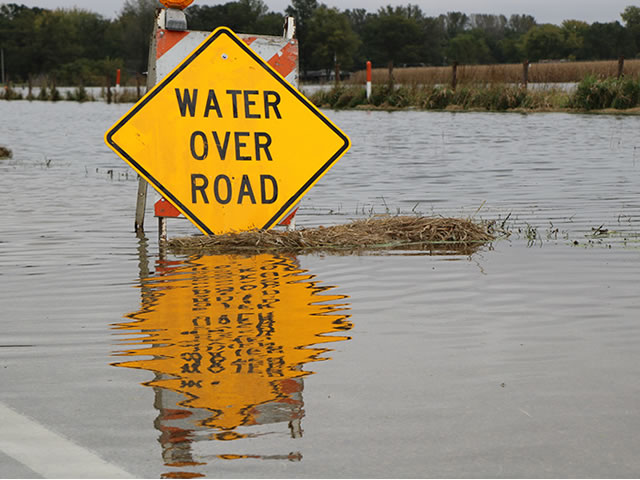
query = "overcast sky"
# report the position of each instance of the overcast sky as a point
(544, 11)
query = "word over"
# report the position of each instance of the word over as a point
(247, 104)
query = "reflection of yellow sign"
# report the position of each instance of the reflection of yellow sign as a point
(233, 333)
(227, 139)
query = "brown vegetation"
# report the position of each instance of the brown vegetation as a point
(380, 232)
(552, 72)
(5, 152)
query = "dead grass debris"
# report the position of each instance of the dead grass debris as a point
(375, 233)
(5, 152)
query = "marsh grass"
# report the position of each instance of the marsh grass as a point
(591, 93)
(8, 93)
(54, 94)
(127, 95)
(595, 93)
(79, 94)
(490, 97)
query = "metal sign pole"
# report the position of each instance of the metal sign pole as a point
(141, 199)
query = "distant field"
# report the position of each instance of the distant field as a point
(556, 72)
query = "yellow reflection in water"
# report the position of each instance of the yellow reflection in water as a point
(230, 335)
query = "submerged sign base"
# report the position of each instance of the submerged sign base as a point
(226, 139)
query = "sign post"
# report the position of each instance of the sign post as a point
(226, 139)
(143, 186)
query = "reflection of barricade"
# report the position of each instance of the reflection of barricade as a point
(170, 47)
(229, 337)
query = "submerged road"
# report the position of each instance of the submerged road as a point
(48, 454)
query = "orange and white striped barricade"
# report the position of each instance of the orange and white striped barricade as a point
(171, 47)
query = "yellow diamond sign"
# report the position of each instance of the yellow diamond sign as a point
(226, 139)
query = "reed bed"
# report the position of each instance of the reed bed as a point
(496, 97)
(5, 152)
(78, 94)
(590, 94)
(375, 233)
(547, 72)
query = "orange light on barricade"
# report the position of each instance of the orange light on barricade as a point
(181, 4)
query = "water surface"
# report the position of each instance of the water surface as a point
(520, 360)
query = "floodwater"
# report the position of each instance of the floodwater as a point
(521, 360)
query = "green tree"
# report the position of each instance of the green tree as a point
(206, 18)
(63, 36)
(455, 23)
(392, 36)
(16, 31)
(432, 36)
(469, 48)
(358, 19)
(490, 30)
(71, 45)
(520, 24)
(271, 23)
(302, 11)
(332, 38)
(631, 15)
(133, 28)
(242, 16)
(434, 41)
(511, 46)
(544, 42)
(604, 41)
(574, 32)
(493, 25)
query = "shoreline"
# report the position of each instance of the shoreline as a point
(591, 95)
(458, 109)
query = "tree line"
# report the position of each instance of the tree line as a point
(79, 47)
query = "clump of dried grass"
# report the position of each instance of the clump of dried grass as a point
(380, 232)
(5, 152)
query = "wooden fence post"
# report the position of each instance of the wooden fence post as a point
(138, 93)
(620, 66)
(525, 73)
(368, 79)
(143, 186)
(454, 75)
(109, 98)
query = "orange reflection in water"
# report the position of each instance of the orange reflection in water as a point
(227, 338)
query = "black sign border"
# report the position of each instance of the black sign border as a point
(169, 78)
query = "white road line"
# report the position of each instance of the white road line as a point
(47, 453)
